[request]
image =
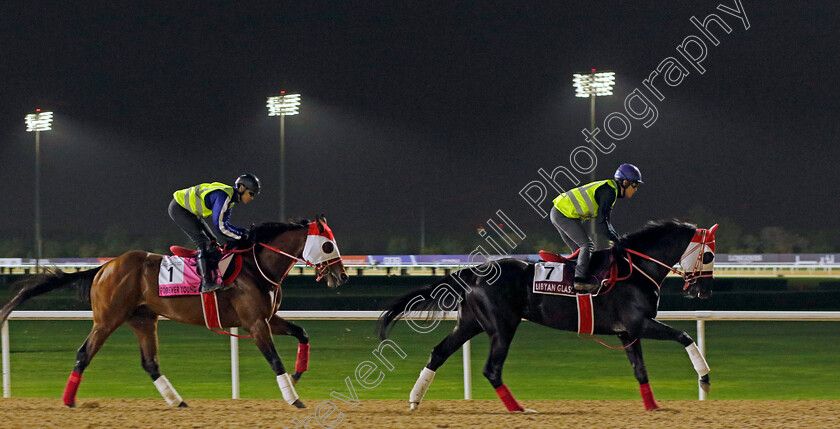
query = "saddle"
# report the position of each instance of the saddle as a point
(553, 257)
(229, 265)
(602, 265)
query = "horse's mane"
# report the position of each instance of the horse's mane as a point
(653, 231)
(268, 231)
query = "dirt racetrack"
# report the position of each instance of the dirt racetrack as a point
(146, 413)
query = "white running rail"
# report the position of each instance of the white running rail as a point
(699, 316)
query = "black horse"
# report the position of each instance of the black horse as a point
(494, 297)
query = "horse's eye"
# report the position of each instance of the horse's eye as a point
(708, 257)
(328, 247)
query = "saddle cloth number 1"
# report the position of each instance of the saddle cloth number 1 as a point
(171, 270)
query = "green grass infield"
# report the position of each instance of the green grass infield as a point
(748, 360)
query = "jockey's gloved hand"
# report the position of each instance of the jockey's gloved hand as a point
(249, 237)
(618, 246)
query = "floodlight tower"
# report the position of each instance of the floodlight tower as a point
(593, 84)
(37, 122)
(282, 106)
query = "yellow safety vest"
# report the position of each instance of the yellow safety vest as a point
(580, 202)
(192, 198)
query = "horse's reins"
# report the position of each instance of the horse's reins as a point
(319, 268)
(631, 264)
(696, 273)
(689, 277)
(278, 295)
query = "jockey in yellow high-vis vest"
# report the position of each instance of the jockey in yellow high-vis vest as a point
(593, 200)
(190, 206)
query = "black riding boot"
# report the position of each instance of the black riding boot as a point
(583, 281)
(207, 267)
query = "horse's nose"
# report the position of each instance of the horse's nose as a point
(344, 277)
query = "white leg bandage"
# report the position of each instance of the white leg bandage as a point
(286, 388)
(167, 391)
(422, 384)
(697, 360)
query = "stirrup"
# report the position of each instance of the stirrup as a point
(210, 287)
(586, 287)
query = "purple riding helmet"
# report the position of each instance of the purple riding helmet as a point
(628, 172)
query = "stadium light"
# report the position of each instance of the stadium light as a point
(37, 122)
(283, 105)
(593, 84)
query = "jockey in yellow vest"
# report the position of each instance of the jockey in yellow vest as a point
(190, 206)
(593, 200)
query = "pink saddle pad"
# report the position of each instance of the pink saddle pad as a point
(178, 276)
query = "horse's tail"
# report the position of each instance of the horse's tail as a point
(42, 283)
(419, 300)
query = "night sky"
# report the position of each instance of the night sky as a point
(445, 108)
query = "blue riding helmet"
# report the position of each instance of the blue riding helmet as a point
(628, 172)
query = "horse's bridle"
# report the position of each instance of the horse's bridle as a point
(690, 277)
(320, 269)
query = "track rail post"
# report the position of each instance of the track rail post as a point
(7, 382)
(701, 345)
(467, 371)
(234, 364)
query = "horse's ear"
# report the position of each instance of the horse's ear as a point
(319, 220)
(713, 229)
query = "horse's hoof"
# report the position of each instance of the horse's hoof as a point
(71, 405)
(414, 406)
(529, 411)
(705, 384)
(298, 404)
(183, 405)
(296, 377)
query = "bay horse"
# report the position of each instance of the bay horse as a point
(494, 298)
(125, 290)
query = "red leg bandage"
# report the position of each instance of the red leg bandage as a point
(302, 363)
(508, 399)
(647, 397)
(69, 396)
